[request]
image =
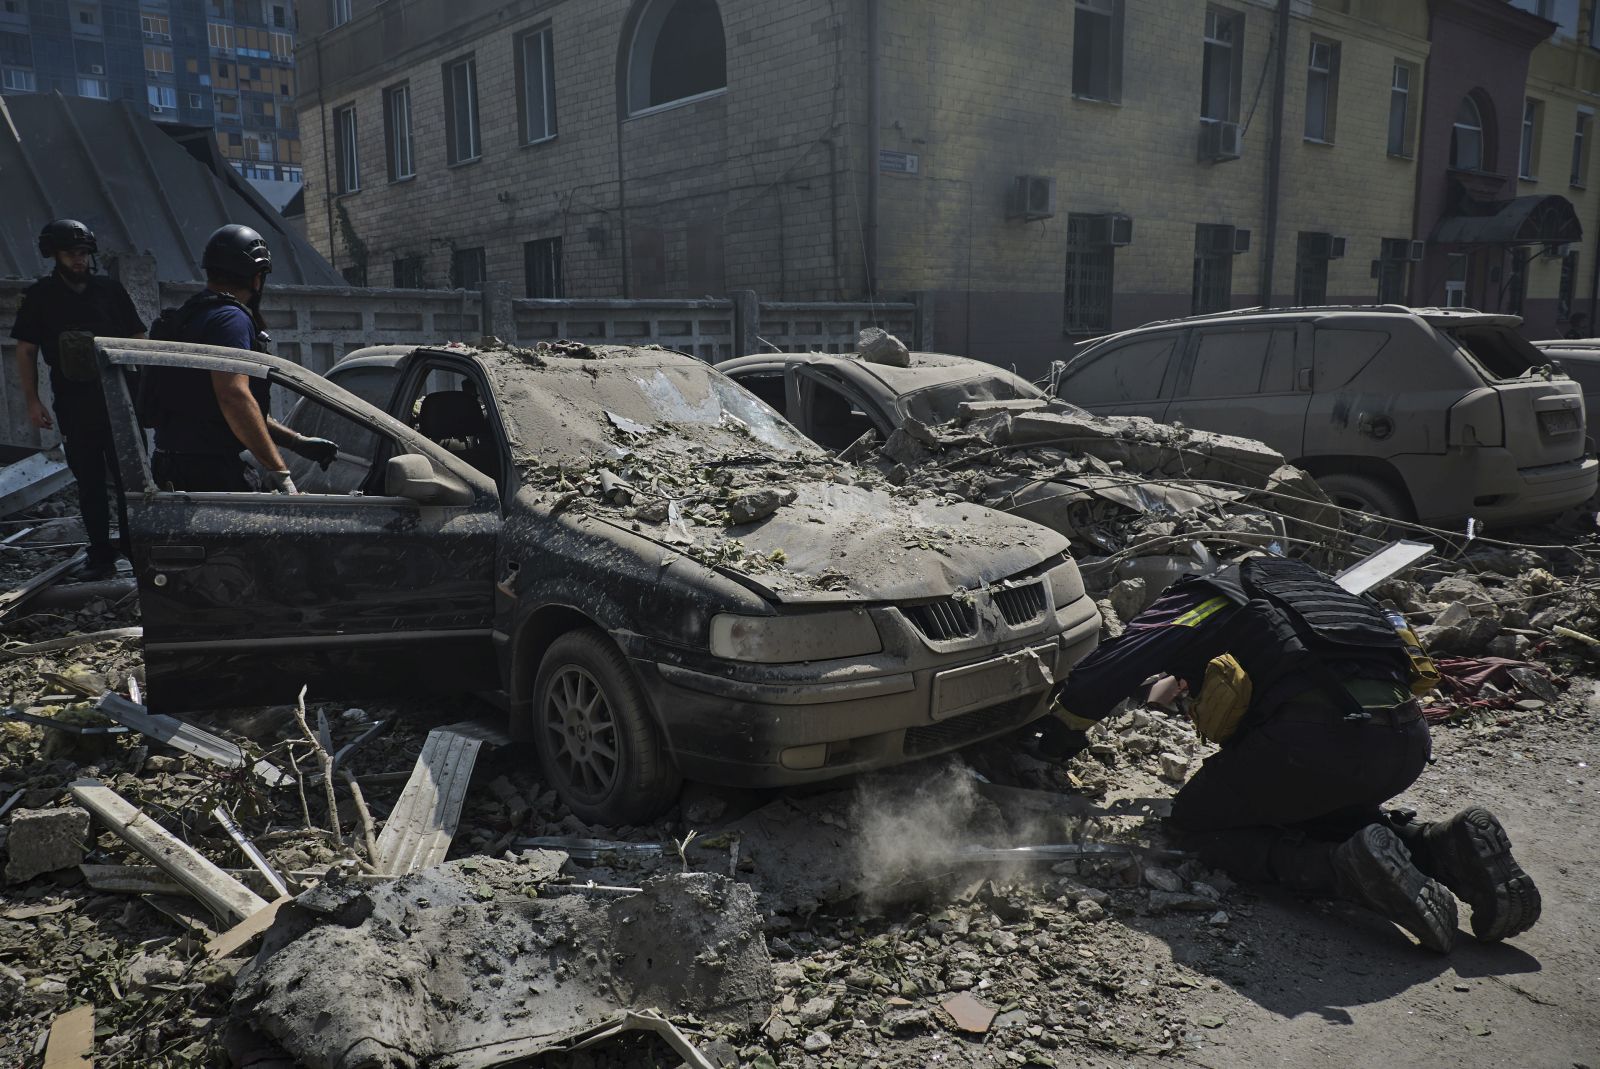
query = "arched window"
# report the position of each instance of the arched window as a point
(1466, 137)
(678, 52)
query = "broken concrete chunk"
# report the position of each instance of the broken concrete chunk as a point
(1128, 598)
(45, 840)
(1163, 879)
(881, 347)
(748, 506)
(472, 954)
(1174, 768)
(1165, 901)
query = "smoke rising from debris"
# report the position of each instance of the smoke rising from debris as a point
(909, 825)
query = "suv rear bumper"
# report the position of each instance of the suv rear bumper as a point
(740, 734)
(1508, 494)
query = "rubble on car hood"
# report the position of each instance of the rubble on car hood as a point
(649, 440)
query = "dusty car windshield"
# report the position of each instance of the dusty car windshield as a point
(940, 404)
(580, 410)
(1502, 352)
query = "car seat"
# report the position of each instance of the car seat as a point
(455, 420)
(833, 422)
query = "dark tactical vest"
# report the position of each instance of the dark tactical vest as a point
(181, 401)
(1302, 630)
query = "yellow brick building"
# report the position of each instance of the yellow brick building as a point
(1042, 170)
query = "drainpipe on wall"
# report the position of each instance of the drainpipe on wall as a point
(1275, 156)
(874, 125)
(322, 121)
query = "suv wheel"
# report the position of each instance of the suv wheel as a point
(597, 744)
(1366, 494)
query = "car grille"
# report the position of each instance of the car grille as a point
(959, 730)
(1021, 604)
(947, 619)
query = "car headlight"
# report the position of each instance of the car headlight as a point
(1066, 585)
(817, 636)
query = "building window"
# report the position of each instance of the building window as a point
(467, 269)
(541, 264)
(347, 158)
(1221, 69)
(196, 101)
(397, 130)
(280, 16)
(17, 80)
(1580, 148)
(1466, 137)
(1392, 269)
(219, 36)
(156, 27)
(1322, 90)
(157, 60)
(86, 17)
(1517, 282)
(678, 53)
(1530, 137)
(162, 98)
(1400, 120)
(1311, 270)
(1089, 276)
(536, 86)
(341, 12)
(1455, 281)
(283, 46)
(1213, 268)
(1569, 283)
(355, 275)
(461, 109)
(408, 273)
(94, 88)
(1097, 50)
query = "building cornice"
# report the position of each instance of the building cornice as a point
(1496, 18)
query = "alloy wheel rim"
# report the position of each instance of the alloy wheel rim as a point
(581, 732)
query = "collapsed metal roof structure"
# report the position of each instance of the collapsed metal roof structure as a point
(143, 187)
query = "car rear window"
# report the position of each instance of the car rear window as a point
(1341, 355)
(1500, 351)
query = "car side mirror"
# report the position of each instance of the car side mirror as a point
(413, 477)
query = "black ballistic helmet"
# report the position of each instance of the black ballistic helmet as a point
(59, 235)
(237, 251)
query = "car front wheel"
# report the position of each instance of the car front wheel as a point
(597, 744)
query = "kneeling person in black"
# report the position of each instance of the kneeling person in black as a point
(204, 420)
(1319, 730)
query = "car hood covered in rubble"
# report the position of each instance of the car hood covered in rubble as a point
(664, 446)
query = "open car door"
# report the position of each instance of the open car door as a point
(246, 597)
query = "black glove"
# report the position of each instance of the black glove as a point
(319, 450)
(1059, 743)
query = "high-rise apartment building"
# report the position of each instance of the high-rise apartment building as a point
(227, 64)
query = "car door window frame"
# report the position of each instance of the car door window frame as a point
(1191, 356)
(1169, 374)
(413, 378)
(800, 375)
(130, 440)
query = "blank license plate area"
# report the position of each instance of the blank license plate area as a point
(1562, 422)
(975, 686)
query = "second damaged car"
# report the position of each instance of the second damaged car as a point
(654, 574)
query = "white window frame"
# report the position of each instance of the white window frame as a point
(1111, 12)
(1217, 20)
(1455, 289)
(341, 12)
(347, 156)
(1400, 87)
(1325, 67)
(546, 128)
(19, 80)
(397, 117)
(158, 97)
(92, 88)
(473, 146)
(1457, 127)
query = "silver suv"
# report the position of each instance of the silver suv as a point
(1413, 413)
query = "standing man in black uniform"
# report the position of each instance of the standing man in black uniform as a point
(1306, 687)
(204, 420)
(74, 303)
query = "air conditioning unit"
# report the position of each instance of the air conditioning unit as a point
(1115, 229)
(1031, 197)
(1241, 240)
(95, 68)
(1324, 247)
(1218, 141)
(1415, 251)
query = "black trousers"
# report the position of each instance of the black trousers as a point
(200, 472)
(91, 456)
(1271, 806)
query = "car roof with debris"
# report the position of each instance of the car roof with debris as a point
(927, 369)
(1436, 317)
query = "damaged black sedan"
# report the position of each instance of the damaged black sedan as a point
(647, 567)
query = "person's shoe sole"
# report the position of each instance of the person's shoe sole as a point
(1473, 859)
(1381, 874)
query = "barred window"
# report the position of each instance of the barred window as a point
(541, 260)
(1089, 277)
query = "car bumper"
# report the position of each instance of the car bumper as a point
(1494, 490)
(744, 734)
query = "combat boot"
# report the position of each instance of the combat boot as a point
(1471, 854)
(1373, 868)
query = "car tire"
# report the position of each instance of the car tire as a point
(1366, 494)
(597, 744)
